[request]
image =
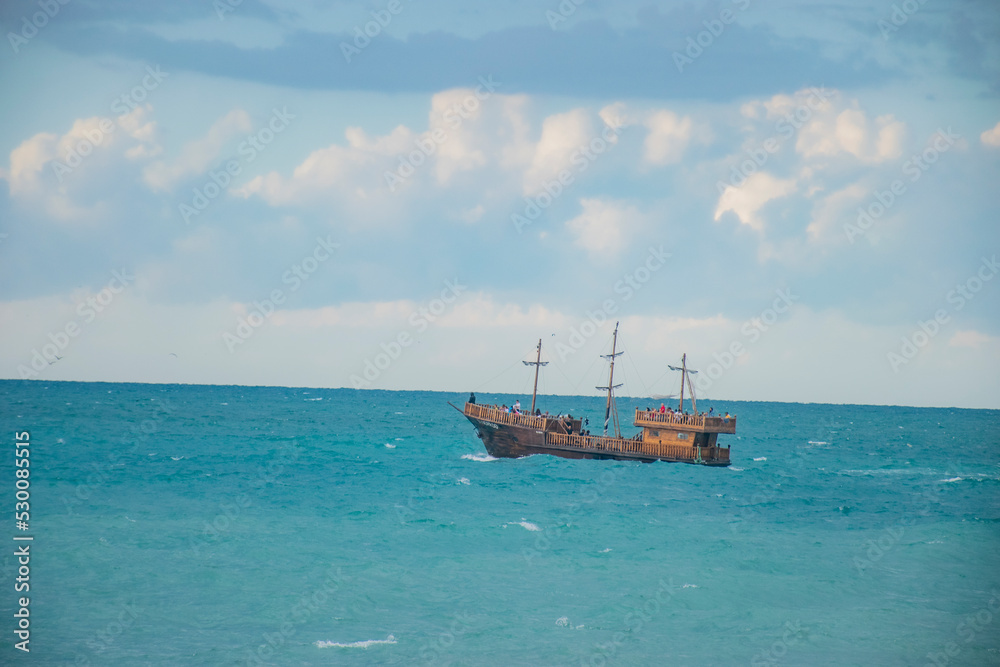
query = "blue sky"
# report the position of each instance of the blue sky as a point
(216, 193)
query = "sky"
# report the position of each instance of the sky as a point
(802, 197)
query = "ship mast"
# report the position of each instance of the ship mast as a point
(611, 384)
(685, 374)
(537, 363)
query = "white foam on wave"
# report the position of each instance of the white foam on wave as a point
(388, 446)
(760, 458)
(314, 399)
(527, 525)
(691, 586)
(176, 458)
(736, 469)
(365, 644)
(604, 551)
(478, 457)
(562, 621)
(818, 442)
(464, 480)
(950, 479)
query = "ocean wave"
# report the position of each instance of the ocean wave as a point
(527, 525)
(313, 399)
(365, 644)
(818, 442)
(760, 458)
(950, 479)
(478, 457)
(736, 469)
(388, 446)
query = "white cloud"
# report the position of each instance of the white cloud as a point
(71, 177)
(830, 212)
(991, 137)
(478, 132)
(668, 137)
(850, 131)
(971, 338)
(603, 227)
(466, 134)
(473, 310)
(352, 170)
(563, 135)
(747, 201)
(198, 155)
(27, 162)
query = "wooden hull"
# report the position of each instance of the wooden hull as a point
(515, 441)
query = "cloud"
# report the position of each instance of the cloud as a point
(73, 176)
(473, 143)
(591, 59)
(336, 171)
(991, 137)
(198, 155)
(477, 130)
(667, 139)
(603, 227)
(851, 132)
(825, 226)
(971, 338)
(747, 201)
(563, 135)
(469, 132)
(27, 162)
(470, 311)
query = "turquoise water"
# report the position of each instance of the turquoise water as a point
(185, 525)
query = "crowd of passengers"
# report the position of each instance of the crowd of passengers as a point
(664, 410)
(516, 410)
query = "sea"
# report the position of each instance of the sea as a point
(225, 525)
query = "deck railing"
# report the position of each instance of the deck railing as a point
(498, 415)
(698, 421)
(634, 446)
(629, 446)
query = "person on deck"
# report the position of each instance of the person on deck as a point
(472, 398)
(663, 408)
(517, 407)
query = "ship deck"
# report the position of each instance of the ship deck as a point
(513, 435)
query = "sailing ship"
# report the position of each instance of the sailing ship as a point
(665, 436)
